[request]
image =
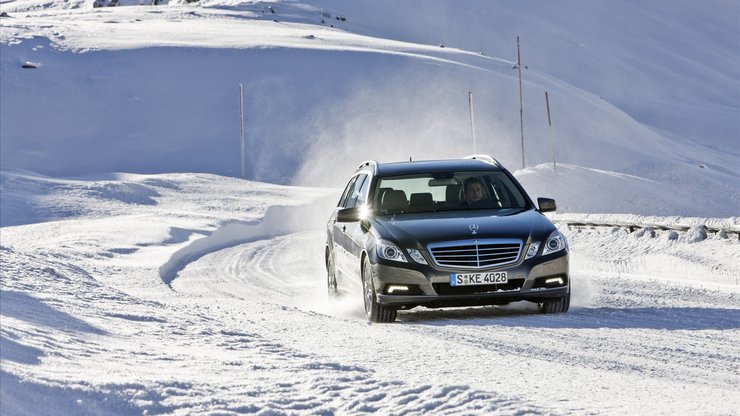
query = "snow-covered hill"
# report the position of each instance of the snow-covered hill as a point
(645, 90)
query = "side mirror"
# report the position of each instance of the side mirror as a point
(546, 204)
(348, 214)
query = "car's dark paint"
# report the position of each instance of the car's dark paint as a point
(352, 235)
(419, 229)
(426, 166)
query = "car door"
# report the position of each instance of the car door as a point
(353, 233)
(338, 231)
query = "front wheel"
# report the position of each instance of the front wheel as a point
(560, 305)
(375, 312)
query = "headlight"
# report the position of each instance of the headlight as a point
(416, 255)
(389, 251)
(554, 243)
(532, 250)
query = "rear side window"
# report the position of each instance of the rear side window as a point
(364, 190)
(357, 190)
(347, 192)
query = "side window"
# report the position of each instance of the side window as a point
(364, 191)
(357, 191)
(347, 191)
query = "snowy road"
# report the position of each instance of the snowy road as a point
(151, 297)
(641, 349)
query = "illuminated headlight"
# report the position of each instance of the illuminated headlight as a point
(416, 255)
(532, 250)
(389, 251)
(554, 243)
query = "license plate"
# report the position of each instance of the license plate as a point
(470, 279)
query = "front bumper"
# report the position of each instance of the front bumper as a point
(430, 286)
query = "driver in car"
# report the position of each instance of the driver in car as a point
(473, 190)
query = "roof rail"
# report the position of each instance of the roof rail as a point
(485, 158)
(368, 163)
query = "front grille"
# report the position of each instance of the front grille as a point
(446, 289)
(476, 254)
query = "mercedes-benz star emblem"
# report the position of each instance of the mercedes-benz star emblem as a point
(473, 228)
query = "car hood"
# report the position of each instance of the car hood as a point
(414, 230)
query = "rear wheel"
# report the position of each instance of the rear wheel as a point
(375, 312)
(331, 276)
(560, 305)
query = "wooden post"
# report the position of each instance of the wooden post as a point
(472, 121)
(241, 132)
(521, 99)
(549, 123)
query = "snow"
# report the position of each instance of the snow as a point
(178, 288)
(92, 324)
(161, 82)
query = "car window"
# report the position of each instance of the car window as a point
(503, 185)
(364, 190)
(347, 191)
(437, 191)
(356, 191)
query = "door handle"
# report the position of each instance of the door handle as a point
(344, 228)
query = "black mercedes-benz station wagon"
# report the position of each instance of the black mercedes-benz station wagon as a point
(444, 233)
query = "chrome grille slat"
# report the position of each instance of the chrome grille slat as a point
(502, 251)
(452, 252)
(487, 258)
(475, 254)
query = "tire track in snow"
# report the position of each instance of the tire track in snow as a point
(284, 275)
(262, 271)
(279, 220)
(666, 343)
(276, 279)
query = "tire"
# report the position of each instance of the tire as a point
(558, 306)
(375, 312)
(331, 276)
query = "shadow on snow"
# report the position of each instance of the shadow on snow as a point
(684, 318)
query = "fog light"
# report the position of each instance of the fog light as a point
(556, 280)
(397, 288)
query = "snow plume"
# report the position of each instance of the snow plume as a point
(418, 113)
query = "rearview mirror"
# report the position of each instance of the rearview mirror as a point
(443, 182)
(546, 204)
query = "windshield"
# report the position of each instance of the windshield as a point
(446, 191)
